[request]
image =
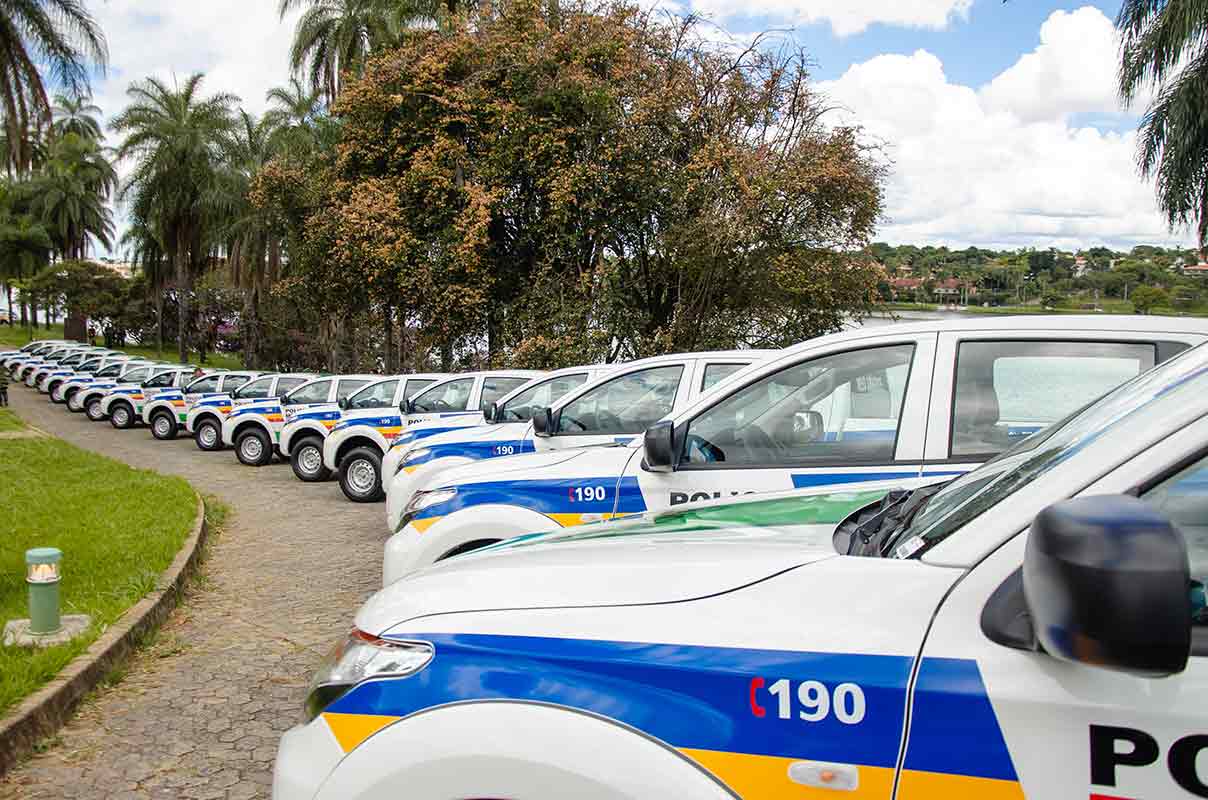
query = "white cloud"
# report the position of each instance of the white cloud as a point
(1072, 70)
(970, 171)
(846, 17)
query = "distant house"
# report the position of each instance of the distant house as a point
(1200, 268)
(952, 290)
(1081, 266)
(905, 287)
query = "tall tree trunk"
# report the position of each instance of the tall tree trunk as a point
(181, 259)
(159, 323)
(388, 367)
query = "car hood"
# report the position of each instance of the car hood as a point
(688, 553)
(490, 432)
(492, 469)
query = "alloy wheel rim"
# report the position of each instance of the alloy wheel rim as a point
(94, 410)
(208, 435)
(119, 415)
(309, 461)
(361, 476)
(161, 426)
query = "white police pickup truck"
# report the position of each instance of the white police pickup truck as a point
(34, 355)
(40, 377)
(1035, 628)
(622, 403)
(307, 429)
(24, 371)
(355, 447)
(171, 408)
(56, 385)
(204, 417)
(125, 403)
(254, 428)
(897, 402)
(84, 394)
(27, 349)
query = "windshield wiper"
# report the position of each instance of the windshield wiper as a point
(898, 509)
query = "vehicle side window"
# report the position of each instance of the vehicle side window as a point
(494, 388)
(716, 373)
(416, 385)
(626, 404)
(1183, 499)
(137, 375)
(349, 385)
(207, 384)
(839, 408)
(521, 407)
(379, 395)
(232, 382)
(255, 390)
(288, 384)
(1006, 391)
(451, 396)
(162, 380)
(109, 372)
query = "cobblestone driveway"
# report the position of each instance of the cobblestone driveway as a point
(199, 715)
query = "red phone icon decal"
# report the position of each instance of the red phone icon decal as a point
(756, 709)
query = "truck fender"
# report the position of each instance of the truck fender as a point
(338, 443)
(409, 549)
(305, 427)
(516, 749)
(400, 487)
(231, 427)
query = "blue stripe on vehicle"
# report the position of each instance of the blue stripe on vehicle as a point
(809, 479)
(549, 496)
(697, 697)
(477, 450)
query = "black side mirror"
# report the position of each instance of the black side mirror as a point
(813, 427)
(491, 412)
(1107, 583)
(543, 422)
(660, 447)
(407, 406)
(342, 403)
(285, 401)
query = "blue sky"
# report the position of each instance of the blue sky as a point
(999, 121)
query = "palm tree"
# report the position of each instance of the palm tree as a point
(295, 117)
(177, 140)
(42, 41)
(76, 115)
(254, 247)
(146, 253)
(24, 243)
(1163, 47)
(74, 190)
(333, 37)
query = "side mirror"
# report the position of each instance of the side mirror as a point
(813, 427)
(1107, 583)
(285, 401)
(342, 403)
(491, 412)
(543, 422)
(660, 447)
(407, 406)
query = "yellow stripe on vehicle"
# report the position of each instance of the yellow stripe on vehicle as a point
(755, 776)
(917, 785)
(352, 729)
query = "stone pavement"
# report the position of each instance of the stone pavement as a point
(199, 713)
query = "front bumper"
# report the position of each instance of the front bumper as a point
(306, 756)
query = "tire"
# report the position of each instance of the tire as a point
(121, 416)
(163, 426)
(50, 391)
(306, 458)
(93, 410)
(253, 448)
(208, 436)
(361, 475)
(70, 393)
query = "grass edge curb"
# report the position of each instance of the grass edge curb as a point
(45, 711)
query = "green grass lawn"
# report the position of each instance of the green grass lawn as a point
(10, 421)
(16, 336)
(118, 528)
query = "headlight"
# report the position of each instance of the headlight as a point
(422, 500)
(416, 455)
(358, 658)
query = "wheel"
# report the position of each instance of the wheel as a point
(163, 426)
(361, 475)
(93, 410)
(68, 396)
(121, 416)
(53, 387)
(253, 447)
(306, 457)
(208, 436)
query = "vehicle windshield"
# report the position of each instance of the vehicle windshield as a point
(448, 396)
(1177, 381)
(520, 408)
